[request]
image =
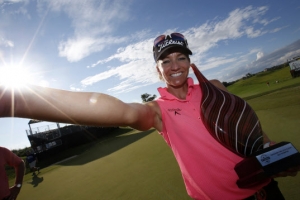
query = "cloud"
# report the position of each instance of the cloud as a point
(133, 75)
(251, 33)
(99, 77)
(240, 22)
(278, 29)
(214, 62)
(243, 66)
(138, 69)
(265, 21)
(92, 21)
(16, 1)
(74, 49)
(73, 88)
(278, 57)
(259, 55)
(13, 1)
(6, 8)
(6, 43)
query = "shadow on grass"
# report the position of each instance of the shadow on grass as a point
(58, 156)
(104, 148)
(36, 180)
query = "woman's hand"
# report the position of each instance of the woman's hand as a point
(14, 192)
(293, 171)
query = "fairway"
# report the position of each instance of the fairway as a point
(140, 165)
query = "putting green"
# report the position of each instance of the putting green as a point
(132, 166)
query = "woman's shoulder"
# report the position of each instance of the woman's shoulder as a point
(218, 84)
(153, 105)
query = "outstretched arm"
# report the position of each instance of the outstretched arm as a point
(84, 108)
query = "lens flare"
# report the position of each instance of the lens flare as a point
(15, 76)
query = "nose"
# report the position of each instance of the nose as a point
(174, 65)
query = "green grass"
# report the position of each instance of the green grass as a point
(135, 165)
(257, 85)
(139, 165)
(64, 154)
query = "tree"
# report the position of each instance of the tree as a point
(147, 97)
(248, 75)
(225, 84)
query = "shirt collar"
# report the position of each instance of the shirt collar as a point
(164, 94)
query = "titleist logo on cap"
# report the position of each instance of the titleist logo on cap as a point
(167, 43)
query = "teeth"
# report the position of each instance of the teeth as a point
(177, 74)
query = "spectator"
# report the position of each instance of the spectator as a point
(32, 160)
(9, 158)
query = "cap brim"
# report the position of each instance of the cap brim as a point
(171, 49)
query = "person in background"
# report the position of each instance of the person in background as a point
(207, 166)
(31, 159)
(9, 158)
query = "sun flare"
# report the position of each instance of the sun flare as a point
(15, 76)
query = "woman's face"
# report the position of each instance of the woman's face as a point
(174, 69)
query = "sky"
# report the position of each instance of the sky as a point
(106, 45)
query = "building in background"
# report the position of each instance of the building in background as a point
(53, 138)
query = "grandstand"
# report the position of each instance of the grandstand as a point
(52, 138)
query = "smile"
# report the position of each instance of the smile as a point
(177, 74)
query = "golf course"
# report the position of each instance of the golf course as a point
(140, 165)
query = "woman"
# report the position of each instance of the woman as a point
(207, 167)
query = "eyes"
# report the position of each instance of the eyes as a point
(167, 61)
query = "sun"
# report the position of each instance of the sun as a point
(15, 76)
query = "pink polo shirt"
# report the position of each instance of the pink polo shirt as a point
(6, 158)
(206, 166)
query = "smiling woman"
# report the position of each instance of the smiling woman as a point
(14, 76)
